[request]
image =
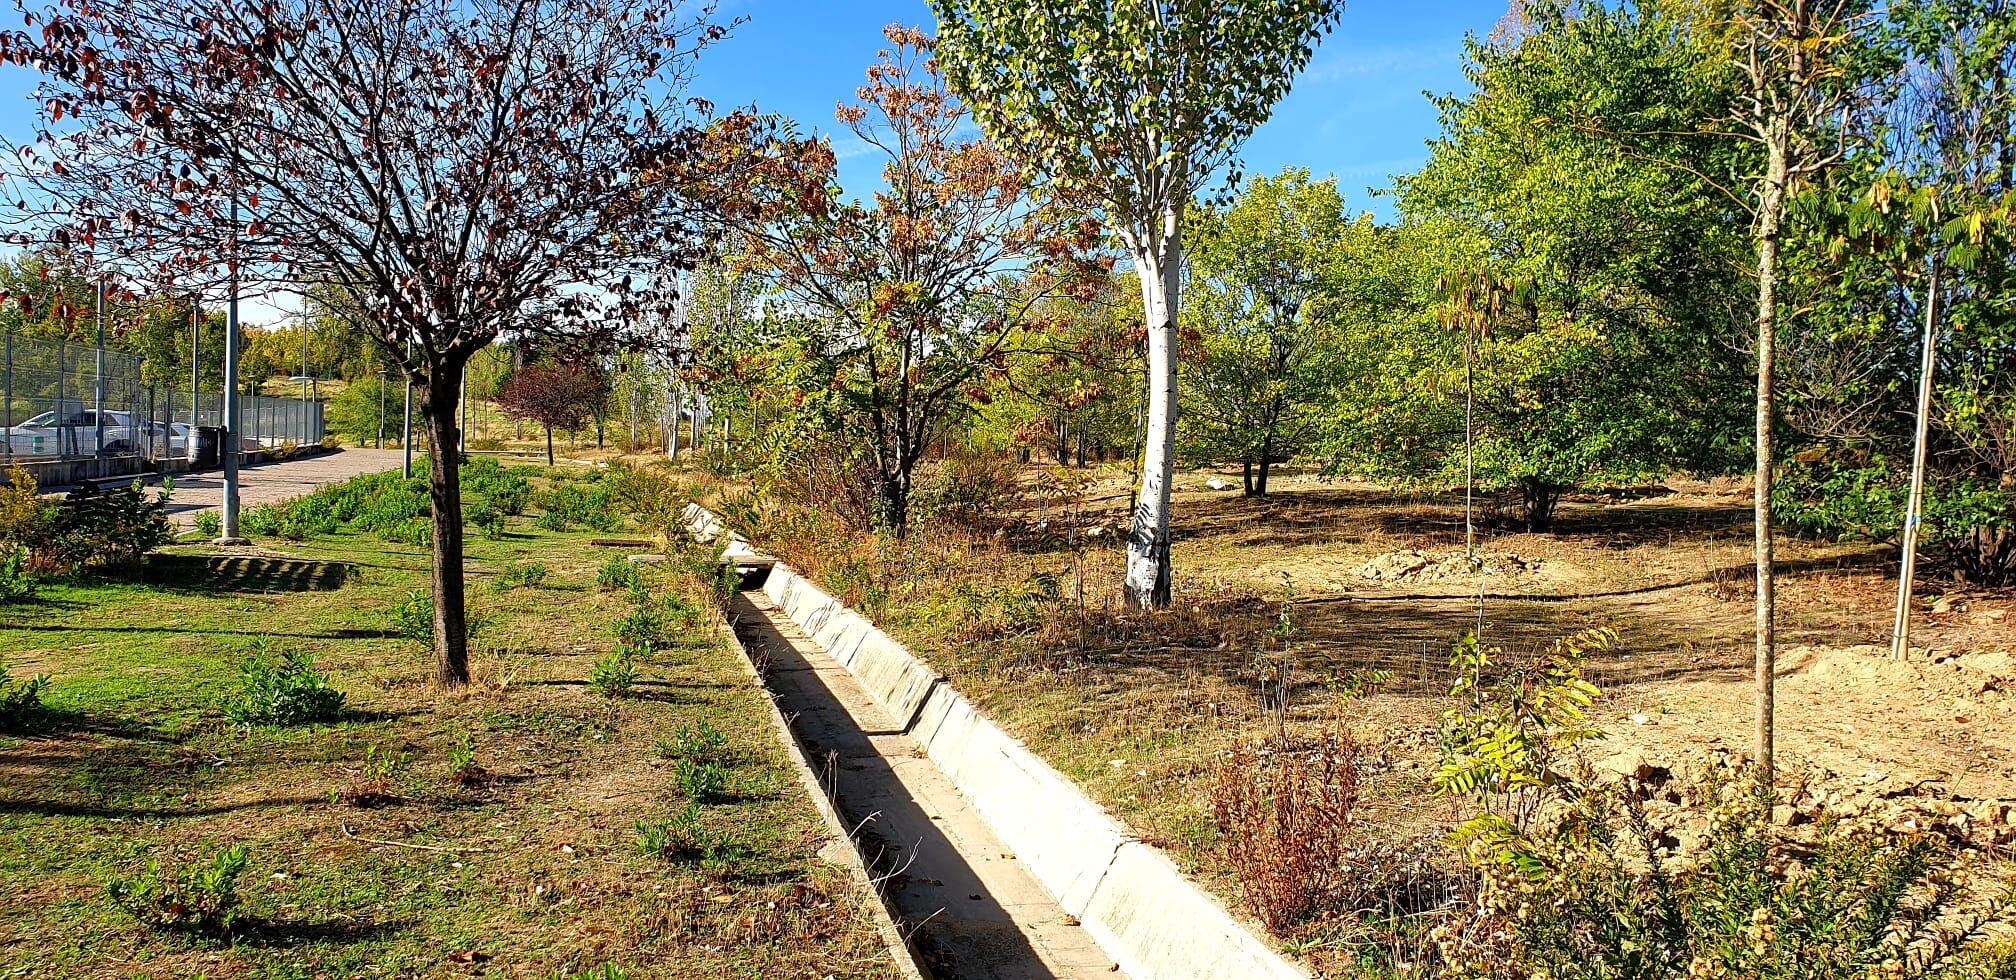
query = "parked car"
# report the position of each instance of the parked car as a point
(76, 434)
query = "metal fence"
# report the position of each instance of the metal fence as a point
(65, 400)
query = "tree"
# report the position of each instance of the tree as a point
(1074, 395)
(1260, 269)
(451, 169)
(1136, 104)
(1585, 283)
(1790, 54)
(905, 302)
(557, 395)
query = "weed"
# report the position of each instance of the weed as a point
(201, 896)
(607, 971)
(551, 521)
(281, 689)
(521, 575)
(701, 781)
(378, 778)
(1285, 815)
(417, 532)
(21, 707)
(701, 742)
(413, 617)
(685, 837)
(617, 573)
(463, 769)
(614, 675)
(16, 585)
(485, 517)
(209, 524)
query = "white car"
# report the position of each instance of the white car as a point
(76, 434)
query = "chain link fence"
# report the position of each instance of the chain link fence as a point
(65, 400)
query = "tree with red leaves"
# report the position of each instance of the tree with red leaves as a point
(902, 304)
(556, 395)
(451, 170)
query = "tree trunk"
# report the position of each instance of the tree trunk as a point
(549, 445)
(1148, 572)
(1059, 452)
(444, 484)
(1770, 215)
(1540, 498)
(1266, 464)
(1246, 476)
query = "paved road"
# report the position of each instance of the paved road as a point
(270, 482)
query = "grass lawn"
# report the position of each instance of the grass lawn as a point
(534, 871)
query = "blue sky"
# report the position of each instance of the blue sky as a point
(1358, 112)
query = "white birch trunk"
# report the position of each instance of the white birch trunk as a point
(1159, 264)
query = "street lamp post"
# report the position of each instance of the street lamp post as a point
(230, 448)
(381, 406)
(98, 390)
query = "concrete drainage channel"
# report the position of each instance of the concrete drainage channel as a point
(993, 864)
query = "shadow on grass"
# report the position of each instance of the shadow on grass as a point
(207, 574)
(97, 811)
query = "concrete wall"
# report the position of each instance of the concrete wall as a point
(1141, 909)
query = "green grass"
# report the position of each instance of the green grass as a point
(537, 872)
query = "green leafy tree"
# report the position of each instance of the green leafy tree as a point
(1577, 332)
(1135, 104)
(1260, 271)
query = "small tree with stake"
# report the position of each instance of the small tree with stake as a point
(555, 395)
(451, 170)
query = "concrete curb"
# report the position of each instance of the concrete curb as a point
(1137, 905)
(855, 861)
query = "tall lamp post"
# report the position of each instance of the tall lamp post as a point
(230, 448)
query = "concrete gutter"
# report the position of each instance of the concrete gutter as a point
(845, 850)
(1130, 897)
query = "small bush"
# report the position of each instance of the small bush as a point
(281, 689)
(209, 524)
(415, 532)
(486, 518)
(614, 675)
(617, 573)
(463, 769)
(1286, 815)
(378, 778)
(16, 585)
(642, 627)
(21, 707)
(701, 781)
(701, 742)
(413, 617)
(200, 897)
(685, 837)
(550, 521)
(100, 529)
(521, 575)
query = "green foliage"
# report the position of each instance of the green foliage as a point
(615, 674)
(463, 769)
(378, 777)
(702, 781)
(281, 688)
(103, 529)
(686, 837)
(508, 491)
(617, 572)
(16, 585)
(1601, 893)
(641, 627)
(21, 707)
(210, 525)
(354, 412)
(486, 518)
(702, 742)
(521, 575)
(591, 505)
(1502, 743)
(413, 617)
(201, 896)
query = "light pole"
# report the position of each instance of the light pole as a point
(195, 377)
(381, 406)
(98, 391)
(311, 389)
(230, 449)
(406, 428)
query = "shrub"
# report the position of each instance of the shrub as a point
(281, 689)
(521, 575)
(263, 520)
(209, 524)
(551, 521)
(1605, 892)
(701, 781)
(506, 490)
(642, 627)
(614, 675)
(617, 573)
(685, 837)
(413, 617)
(1285, 818)
(201, 896)
(94, 528)
(415, 532)
(968, 488)
(21, 707)
(591, 505)
(16, 585)
(485, 518)
(702, 742)
(24, 515)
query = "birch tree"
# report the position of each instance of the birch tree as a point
(1136, 104)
